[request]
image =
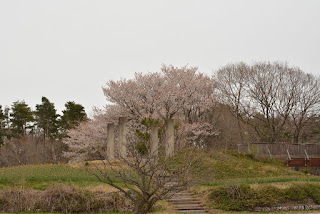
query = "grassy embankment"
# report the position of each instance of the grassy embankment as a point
(230, 167)
(223, 169)
(242, 183)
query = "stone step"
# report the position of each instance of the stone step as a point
(188, 207)
(186, 202)
(181, 199)
(183, 192)
(192, 211)
(183, 196)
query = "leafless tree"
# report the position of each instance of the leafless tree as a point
(146, 178)
(30, 150)
(232, 82)
(307, 101)
(268, 97)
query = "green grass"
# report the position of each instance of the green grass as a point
(228, 170)
(243, 197)
(222, 167)
(227, 165)
(263, 181)
(41, 176)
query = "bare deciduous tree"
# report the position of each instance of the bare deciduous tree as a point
(232, 90)
(146, 178)
(268, 97)
(307, 101)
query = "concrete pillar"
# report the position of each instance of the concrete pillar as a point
(110, 141)
(154, 140)
(169, 142)
(122, 137)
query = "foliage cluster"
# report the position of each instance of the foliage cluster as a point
(182, 94)
(265, 101)
(243, 197)
(33, 137)
(20, 120)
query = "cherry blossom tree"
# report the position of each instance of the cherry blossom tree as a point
(182, 94)
(179, 93)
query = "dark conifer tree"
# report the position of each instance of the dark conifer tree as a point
(21, 118)
(2, 126)
(46, 119)
(72, 116)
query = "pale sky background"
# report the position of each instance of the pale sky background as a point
(67, 50)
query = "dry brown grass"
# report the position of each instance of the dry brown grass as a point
(102, 188)
(61, 198)
(101, 164)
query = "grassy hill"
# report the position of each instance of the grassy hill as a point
(222, 169)
(230, 165)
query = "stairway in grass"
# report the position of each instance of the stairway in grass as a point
(185, 202)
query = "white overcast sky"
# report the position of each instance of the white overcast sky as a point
(67, 50)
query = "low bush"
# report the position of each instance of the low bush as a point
(61, 198)
(243, 197)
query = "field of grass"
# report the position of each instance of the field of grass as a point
(39, 177)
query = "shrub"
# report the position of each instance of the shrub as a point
(61, 198)
(242, 197)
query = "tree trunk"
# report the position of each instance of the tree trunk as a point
(240, 129)
(139, 207)
(296, 135)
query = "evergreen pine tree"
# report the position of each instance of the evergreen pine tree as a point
(46, 119)
(72, 116)
(21, 118)
(2, 126)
